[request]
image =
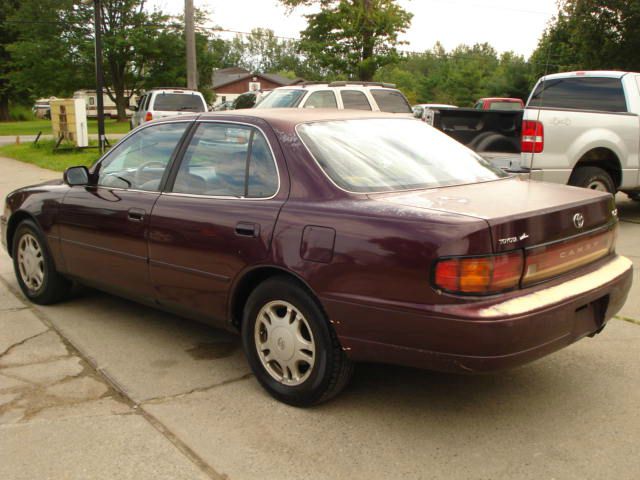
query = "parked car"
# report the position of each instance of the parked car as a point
(326, 238)
(499, 103)
(42, 107)
(228, 105)
(249, 99)
(582, 128)
(167, 102)
(372, 96)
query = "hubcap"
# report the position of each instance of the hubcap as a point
(30, 262)
(284, 343)
(598, 185)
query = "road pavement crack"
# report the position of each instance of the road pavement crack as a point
(118, 390)
(627, 319)
(156, 400)
(22, 342)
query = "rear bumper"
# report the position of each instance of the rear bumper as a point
(487, 335)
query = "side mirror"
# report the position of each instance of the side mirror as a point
(76, 176)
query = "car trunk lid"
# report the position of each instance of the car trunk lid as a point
(519, 213)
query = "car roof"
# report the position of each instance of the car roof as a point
(294, 116)
(587, 73)
(501, 99)
(340, 84)
(172, 89)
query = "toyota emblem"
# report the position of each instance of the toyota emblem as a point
(578, 220)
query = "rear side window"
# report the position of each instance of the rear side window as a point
(584, 93)
(354, 100)
(391, 101)
(322, 99)
(178, 102)
(228, 161)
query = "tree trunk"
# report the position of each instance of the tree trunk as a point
(367, 67)
(121, 106)
(4, 108)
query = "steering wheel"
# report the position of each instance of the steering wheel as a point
(139, 176)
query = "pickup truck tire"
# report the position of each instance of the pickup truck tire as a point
(497, 143)
(594, 178)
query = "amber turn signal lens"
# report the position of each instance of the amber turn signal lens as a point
(479, 275)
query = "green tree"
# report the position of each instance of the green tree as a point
(261, 51)
(129, 36)
(48, 55)
(7, 36)
(590, 34)
(353, 37)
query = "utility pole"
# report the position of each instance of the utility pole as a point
(99, 75)
(190, 40)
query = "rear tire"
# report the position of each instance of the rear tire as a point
(594, 178)
(34, 267)
(291, 348)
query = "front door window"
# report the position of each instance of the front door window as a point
(139, 163)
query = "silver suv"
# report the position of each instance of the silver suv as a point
(167, 102)
(378, 97)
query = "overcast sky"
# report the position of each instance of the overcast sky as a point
(506, 24)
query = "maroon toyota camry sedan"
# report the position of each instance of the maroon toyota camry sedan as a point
(325, 238)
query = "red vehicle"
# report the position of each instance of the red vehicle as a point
(498, 103)
(326, 238)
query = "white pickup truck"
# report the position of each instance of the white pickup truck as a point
(583, 128)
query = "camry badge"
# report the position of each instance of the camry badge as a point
(578, 220)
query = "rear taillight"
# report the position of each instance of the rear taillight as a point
(148, 117)
(479, 275)
(555, 259)
(532, 137)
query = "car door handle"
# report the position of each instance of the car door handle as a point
(136, 214)
(247, 229)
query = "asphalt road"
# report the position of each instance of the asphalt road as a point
(102, 388)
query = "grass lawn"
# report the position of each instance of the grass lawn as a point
(32, 127)
(43, 155)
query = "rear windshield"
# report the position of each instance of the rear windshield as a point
(391, 101)
(178, 102)
(381, 155)
(288, 98)
(505, 106)
(582, 93)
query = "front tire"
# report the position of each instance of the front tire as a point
(594, 178)
(34, 267)
(291, 348)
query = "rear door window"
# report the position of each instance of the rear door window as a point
(321, 99)
(581, 93)
(228, 161)
(391, 101)
(354, 100)
(178, 102)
